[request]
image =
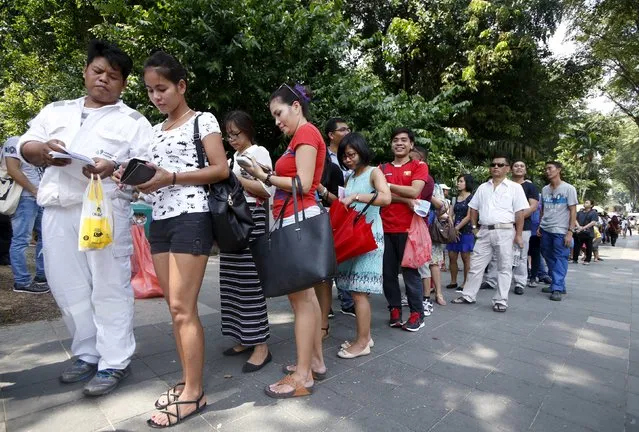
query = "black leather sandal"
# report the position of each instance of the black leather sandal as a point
(171, 396)
(177, 416)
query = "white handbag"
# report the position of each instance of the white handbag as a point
(10, 191)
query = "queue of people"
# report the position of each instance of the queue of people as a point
(497, 225)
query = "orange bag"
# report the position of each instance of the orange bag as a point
(418, 245)
(144, 280)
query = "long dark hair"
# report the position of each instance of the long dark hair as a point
(470, 182)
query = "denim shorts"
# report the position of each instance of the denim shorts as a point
(188, 233)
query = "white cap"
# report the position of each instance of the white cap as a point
(443, 186)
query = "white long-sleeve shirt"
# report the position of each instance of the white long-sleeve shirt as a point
(115, 132)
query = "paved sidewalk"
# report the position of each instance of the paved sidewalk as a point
(542, 366)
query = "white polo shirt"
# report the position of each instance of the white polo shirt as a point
(498, 205)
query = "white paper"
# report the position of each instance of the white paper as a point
(341, 192)
(422, 207)
(75, 157)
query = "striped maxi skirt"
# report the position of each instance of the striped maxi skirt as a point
(244, 316)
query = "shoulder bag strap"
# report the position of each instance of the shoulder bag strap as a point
(197, 139)
(370, 202)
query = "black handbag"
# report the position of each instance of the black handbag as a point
(232, 216)
(298, 256)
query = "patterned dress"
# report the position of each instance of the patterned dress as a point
(364, 273)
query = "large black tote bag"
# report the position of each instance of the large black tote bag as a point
(298, 256)
(232, 216)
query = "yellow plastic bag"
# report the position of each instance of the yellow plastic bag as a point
(96, 225)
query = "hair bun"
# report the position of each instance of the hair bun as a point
(303, 91)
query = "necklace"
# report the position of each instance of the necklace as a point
(178, 119)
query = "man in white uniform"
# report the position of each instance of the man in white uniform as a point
(499, 204)
(91, 288)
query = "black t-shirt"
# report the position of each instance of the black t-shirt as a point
(585, 217)
(332, 178)
(531, 192)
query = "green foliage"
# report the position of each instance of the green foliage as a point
(491, 53)
(587, 152)
(626, 161)
(608, 31)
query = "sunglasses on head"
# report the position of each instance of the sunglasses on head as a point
(495, 165)
(295, 93)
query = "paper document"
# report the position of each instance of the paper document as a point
(421, 207)
(341, 192)
(76, 158)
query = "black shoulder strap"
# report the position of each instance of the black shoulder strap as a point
(197, 139)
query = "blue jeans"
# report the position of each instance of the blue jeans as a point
(556, 255)
(26, 219)
(345, 297)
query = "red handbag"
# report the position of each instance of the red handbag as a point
(353, 236)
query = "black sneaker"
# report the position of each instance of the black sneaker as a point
(546, 290)
(349, 311)
(414, 323)
(555, 296)
(33, 288)
(78, 371)
(5, 261)
(331, 314)
(519, 290)
(546, 279)
(486, 285)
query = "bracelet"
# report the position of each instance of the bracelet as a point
(174, 179)
(267, 180)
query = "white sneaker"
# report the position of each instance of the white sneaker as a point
(404, 301)
(428, 306)
(427, 312)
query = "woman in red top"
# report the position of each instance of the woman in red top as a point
(305, 158)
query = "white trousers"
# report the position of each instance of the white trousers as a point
(489, 242)
(93, 288)
(520, 273)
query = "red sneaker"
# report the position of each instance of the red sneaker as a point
(395, 317)
(414, 323)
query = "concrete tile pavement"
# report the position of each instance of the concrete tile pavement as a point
(542, 366)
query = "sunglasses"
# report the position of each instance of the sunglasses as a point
(495, 165)
(295, 93)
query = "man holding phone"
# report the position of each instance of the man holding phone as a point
(91, 288)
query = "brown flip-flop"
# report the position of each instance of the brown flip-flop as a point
(317, 376)
(299, 390)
